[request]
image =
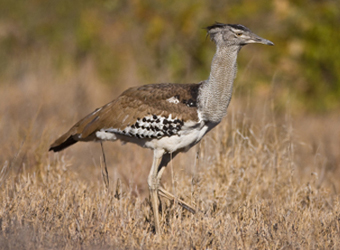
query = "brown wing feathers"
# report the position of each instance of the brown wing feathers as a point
(135, 103)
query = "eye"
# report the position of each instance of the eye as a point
(239, 34)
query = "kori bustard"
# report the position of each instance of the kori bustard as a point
(168, 118)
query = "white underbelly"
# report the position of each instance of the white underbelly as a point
(190, 134)
(183, 141)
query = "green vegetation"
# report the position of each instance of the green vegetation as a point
(157, 38)
(266, 178)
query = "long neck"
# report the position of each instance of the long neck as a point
(215, 93)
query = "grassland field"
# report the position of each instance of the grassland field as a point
(261, 180)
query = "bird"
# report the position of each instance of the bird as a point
(168, 118)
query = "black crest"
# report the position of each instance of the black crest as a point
(222, 25)
(216, 25)
(239, 27)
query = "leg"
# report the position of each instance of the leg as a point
(166, 159)
(153, 186)
(171, 197)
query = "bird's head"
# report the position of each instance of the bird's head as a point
(233, 35)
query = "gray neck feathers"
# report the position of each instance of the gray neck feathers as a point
(215, 93)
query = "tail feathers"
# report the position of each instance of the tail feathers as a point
(84, 130)
(62, 143)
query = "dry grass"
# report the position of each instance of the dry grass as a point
(258, 181)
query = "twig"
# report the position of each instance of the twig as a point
(104, 171)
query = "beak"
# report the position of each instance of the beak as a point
(256, 39)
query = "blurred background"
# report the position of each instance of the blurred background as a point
(62, 59)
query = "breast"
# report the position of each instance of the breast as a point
(183, 141)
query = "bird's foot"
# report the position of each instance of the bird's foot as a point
(162, 192)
